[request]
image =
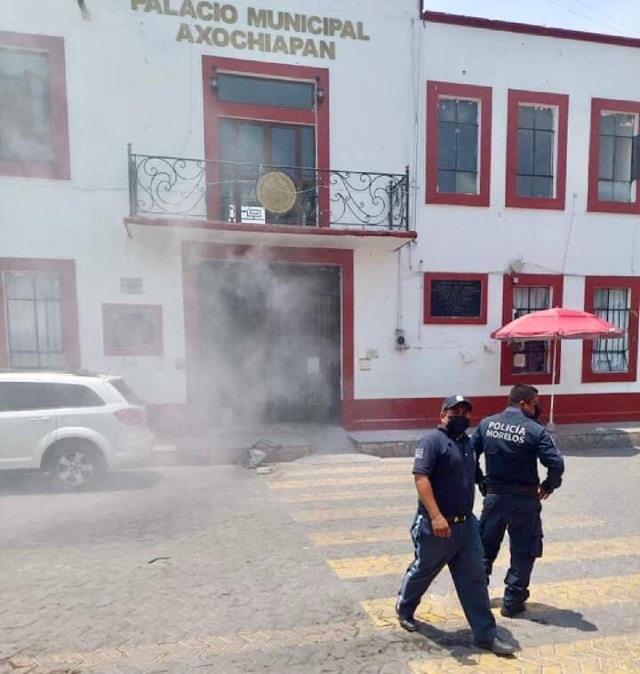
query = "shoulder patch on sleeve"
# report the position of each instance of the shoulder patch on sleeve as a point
(419, 452)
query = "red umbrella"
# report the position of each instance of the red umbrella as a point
(556, 324)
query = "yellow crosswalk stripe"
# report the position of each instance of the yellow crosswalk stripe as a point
(382, 466)
(407, 493)
(383, 565)
(341, 481)
(605, 654)
(567, 595)
(382, 534)
(351, 513)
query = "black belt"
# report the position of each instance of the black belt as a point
(458, 519)
(513, 490)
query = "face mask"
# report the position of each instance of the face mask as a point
(457, 426)
(536, 413)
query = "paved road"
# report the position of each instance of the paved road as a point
(295, 572)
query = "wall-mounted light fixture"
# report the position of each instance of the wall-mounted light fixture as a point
(320, 92)
(214, 83)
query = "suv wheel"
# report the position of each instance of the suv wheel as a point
(75, 466)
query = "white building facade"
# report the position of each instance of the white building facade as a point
(257, 215)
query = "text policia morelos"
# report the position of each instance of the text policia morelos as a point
(264, 19)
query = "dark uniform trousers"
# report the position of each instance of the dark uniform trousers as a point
(463, 555)
(518, 514)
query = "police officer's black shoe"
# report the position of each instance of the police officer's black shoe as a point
(497, 646)
(511, 612)
(408, 623)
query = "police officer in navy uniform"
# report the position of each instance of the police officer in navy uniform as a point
(512, 443)
(445, 531)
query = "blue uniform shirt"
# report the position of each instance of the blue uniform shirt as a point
(450, 465)
(512, 444)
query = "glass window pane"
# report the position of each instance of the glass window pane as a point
(260, 91)
(22, 328)
(524, 186)
(542, 187)
(447, 181)
(543, 118)
(621, 192)
(251, 144)
(607, 124)
(19, 286)
(467, 150)
(605, 190)
(622, 159)
(447, 139)
(25, 108)
(48, 287)
(134, 329)
(525, 152)
(54, 326)
(544, 153)
(525, 117)
(624, 125)
(466, 183)
(467, 112)
(606, 158)
(283, 146)
(308, 139)
(226, 139)
(446, 110)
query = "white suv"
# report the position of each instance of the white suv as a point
(73, 427)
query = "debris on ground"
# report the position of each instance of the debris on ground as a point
(260, 451)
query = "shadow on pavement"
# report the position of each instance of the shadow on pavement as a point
(16, 483)
(459, 643)
(544, 614)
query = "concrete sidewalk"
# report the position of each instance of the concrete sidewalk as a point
(290, 442)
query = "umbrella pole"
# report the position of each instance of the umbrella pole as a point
(551, 425)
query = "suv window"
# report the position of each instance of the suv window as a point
(15, 396)
(126, 392)
(75, 395)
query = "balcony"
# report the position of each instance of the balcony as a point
(234, 195)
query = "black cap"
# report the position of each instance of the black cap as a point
(452, 401)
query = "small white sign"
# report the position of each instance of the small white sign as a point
(519, 360)
(248, 214)
(131, 286)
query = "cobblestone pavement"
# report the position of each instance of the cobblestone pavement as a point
(227, 571)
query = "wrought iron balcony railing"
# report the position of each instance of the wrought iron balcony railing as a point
(229, 192)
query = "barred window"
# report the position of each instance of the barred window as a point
(613, 305)
(531, 357)
(34, 320)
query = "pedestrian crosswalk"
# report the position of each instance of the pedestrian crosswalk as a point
(354, 513)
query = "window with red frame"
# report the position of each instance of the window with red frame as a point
(613, 156)
(536, 150)
(38, 314)
(458, 144)
(613, 299)
(529, 361)
(266, 118)
(34, 137)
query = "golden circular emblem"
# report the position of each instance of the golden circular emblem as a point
(276, 192)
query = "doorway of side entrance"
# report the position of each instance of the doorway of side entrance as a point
(269, 342)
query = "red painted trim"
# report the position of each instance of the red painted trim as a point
(109, 310)
(59, 169)
(598, 106)
(194, 253)
(561, 103)
(590, 285)
(529, 29)
(267, 229)
(213, 109)
(453, 320)
(556, 283)
(394, 413)
(435, 91)
(67, 271)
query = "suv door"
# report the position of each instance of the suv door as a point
(81, 407)
(27, 423)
